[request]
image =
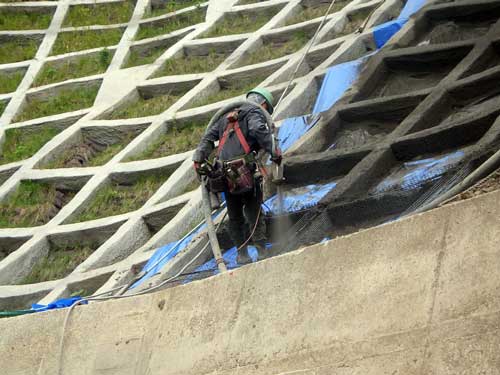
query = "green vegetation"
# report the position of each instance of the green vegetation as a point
(89, 154)
(240, 23)
(272, 51)
(233, 89)
(32, 204)
(313, 12)
(116, 198)
(65, 101)
(144, 57)
(59, 263)
(10, 80)
(168, 25)
(177, 139)
(145, 107)
(74, 68)
(17, 49)
(246, 2)
(191, 64)
(99, 14)
(85, 39)
(21, 19)
(171, 6)
(23, 143)
(3, 104)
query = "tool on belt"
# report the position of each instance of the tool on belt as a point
(236, 176)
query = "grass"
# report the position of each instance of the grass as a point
(65, 101)
(116, 198)
(99, 157)
(145, 107)
(74, 68)
(246, 2)
(60, 262)
(19, 19)
(272, 51)
(144, 57)
(243, 86)
(356, 20)
(176, 140)
(21, 143)
(19, 49)
(313, 12)
(239, 23)
(10, 80)
(177, 22)
(172, 6)
(32, 204)
(3, 104)
(191, 64)
(85, 39)
(99, 14)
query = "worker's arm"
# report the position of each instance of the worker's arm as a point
(260, 131)
(207, 143)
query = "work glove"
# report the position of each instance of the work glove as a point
(277, 157)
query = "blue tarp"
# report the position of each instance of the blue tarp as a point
(337, 80)
(411, 7)
(298, 199)
(382, 33)
(59, 304)
(413, 174)
(293, 128)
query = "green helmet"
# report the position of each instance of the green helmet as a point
(266, 94)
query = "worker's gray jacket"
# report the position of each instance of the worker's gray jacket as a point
(254, 127)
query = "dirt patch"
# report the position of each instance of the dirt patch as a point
(451, 31)
(486, 185)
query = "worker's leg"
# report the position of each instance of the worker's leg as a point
(236, 218)
(255, 218)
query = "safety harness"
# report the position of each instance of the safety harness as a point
(233, 125)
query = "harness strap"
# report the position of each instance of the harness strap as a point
(233, 125)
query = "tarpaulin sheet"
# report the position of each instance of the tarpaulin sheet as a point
(414, 174)
(59, 304)
(382, 33)
(293, 128)
(337, 80)
(411, 7)
(298, 199)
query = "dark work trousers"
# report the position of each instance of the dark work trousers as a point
(243, 210)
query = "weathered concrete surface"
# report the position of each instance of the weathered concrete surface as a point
(418, 296)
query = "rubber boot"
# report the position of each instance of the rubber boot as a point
(243, 257)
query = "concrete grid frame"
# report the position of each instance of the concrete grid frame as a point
(127, 239)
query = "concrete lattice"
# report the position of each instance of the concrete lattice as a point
(139, 54)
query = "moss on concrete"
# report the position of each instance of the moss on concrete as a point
(99, 14)
(83, 66)
(170, 6)
(22, 19)
(190, 64)
(118, 198)
(10, 80)
(177, 22)
(71, 41)
(145, 107)
(230, 89)
(32, 204)
(23, 143)
(177, 139)
(66, 100)
(272, 51)
(60, 262)
(17, 49)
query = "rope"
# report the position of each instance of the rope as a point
(311, 43)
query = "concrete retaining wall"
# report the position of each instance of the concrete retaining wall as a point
(417, 296)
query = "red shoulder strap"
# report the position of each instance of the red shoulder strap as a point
(233, 124)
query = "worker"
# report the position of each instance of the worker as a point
(241, 133)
